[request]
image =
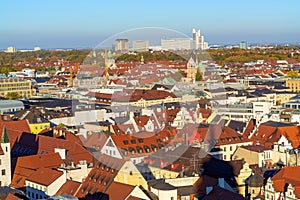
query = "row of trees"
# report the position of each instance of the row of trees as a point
(224, 56)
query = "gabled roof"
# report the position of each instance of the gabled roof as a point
(41, 144)
(119, 191)
(141, 120)
(26, 165)
(271, 132)
(286, 175)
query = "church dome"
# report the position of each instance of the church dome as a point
(255, 180)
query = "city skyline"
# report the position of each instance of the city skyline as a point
(85, 24)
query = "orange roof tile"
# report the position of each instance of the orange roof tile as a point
(44, 176)
(101, 176)
(124, 191)
(70, 188)
(26, 165)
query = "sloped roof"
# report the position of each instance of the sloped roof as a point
(219, 193)
(101, 176)
(40, 144)
(33, 116)
(119, 191)
(270, 132)
(26, 165)
(70, 187)
(286, 175)
(45, 176)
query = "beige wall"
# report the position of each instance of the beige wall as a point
(162, 173)
(56, 185)
(229, 149)
(165, 194)
(134, 178)
(5, 164)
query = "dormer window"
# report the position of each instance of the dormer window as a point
(125, 142)
(133, 141)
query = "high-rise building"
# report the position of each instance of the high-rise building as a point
(140, 45)
(244, 45)
(121, 45)
(199, 40)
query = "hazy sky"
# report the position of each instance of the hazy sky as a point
(85, 23)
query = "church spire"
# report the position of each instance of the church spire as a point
(4, 137)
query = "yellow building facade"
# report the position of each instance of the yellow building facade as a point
(293, 84)
(38, 127)
(21, 86)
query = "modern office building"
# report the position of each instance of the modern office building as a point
(140, 45)
(177, 43)
(197, 42)
(121, 45)
(243, 45)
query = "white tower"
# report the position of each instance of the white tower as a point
(5, 167)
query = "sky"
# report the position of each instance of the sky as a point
(86, 23)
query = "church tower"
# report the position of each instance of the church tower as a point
(192, 66)
(5, 167)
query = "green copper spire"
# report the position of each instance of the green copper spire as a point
(4, 137)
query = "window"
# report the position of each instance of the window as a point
(230, 148)
(3, 172)
(172, 198)
(133, 142)
(0, 161)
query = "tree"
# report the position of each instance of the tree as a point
(198, 76)
(13, 95)
(293, 74)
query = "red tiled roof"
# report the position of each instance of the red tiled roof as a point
(26, 165)
(14, 129)
(44, 176)
(220, 136)
(70, 188)
(101, 176)
(250, 126)
(141, 120)
(124, 191)
(284, 176)
(139, 143)
(11, 196)
(138, 94)
(268, 134)
(44, 144)
(205, 112)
